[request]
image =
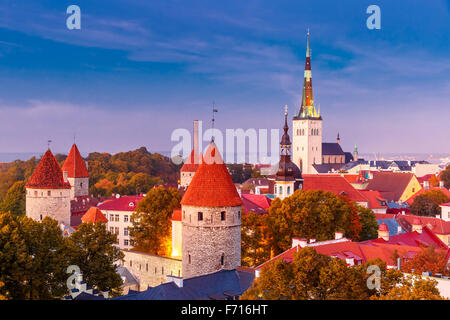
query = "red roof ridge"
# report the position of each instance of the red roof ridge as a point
(93, 215)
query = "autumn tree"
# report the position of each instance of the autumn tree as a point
(369, 224)
(151, 221)
(92, 248)
(429, 259)
(142, 183)
(310, 214)
(445, 176)
(412, 288)
(14, 200)
(427, 203)
(434, 181)
(254, 249)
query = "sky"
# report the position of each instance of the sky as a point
(139, 69)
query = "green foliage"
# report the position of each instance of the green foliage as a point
(92, 249)
(240, 172)
(369, 224)
(15, 171)
(14, 200)
(310, 214)
(427, 204)
(151, 221)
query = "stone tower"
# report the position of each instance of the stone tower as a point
(47, 192)
(288, 177)
(307, 125)
(190, 166)
(77, 174)
(211, 219)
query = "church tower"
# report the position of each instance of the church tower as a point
(48, 192)
(288, 177)
(307, 125)
(211, 219)
(75, 169)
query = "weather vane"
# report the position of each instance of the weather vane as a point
(48, 144)
(214, 110)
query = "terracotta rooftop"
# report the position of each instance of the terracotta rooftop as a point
(94, 215)
(124, 203)
(212, 185)
(48, 174)
(75, 165)
(258, 203)
(333, 183)
(376, 201)
(391, 185)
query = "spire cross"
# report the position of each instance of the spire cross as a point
(285, 110)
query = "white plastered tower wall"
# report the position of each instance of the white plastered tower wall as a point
(307, 143)
(53, 203)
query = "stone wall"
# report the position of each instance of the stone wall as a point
(186, 178)
(151, 270)
(80, 187)
(53, 203)
(207, 240)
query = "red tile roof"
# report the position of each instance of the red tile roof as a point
(191, 164)
(425, 178)
(391, 185)
(94, 215)
(438, 226)
(333, 183)
(75, 165)
(176, 215)
(48, 174)
(124, 203)
(375, 199)
(258, 203)
(211, 185)
(423, 190)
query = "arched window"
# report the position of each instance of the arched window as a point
(280, 190)
(222, 259)
(288, 190)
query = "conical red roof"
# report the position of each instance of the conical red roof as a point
(211, 185)
(191, 164)
(75, 165)
(94, 215)
(48, 174)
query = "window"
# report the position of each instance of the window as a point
(116, 230)
(81, 184)
(125, 242)
(49, 193)
(125, 218)
(131, 263)
(200, 216)
(222, 215)
(162, 270)
(189, 258)
(35, 194)
(222, 259)
(239, 214)
(146, 267)
(41, 217)
(116, 218)
(111, 217)
(288, 190)
(125, 231)
(280, 190)
(156, 269)
(111, 229)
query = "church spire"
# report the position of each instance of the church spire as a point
(307, 109)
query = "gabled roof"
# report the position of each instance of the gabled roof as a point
(332, 148)
(258, 203)
(217, 285)
(94, 215)
(75, 165)
(391, 185)
(333, 183)
(376, 201)
(48, 174)
(212, 185)
(438, 226)
(124, 203)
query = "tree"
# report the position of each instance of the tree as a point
(2, 297)
(92, 248)
(14, 200)
(427, 203)
(434, 181)
(445, 176)
(151, 221)
(310, 214)
(33, 258)
(310, 276)
(412, 288)
(254, 249)
(429, 259)
(369, 224)
(142, 183)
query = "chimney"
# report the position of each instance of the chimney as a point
(399, 230)
(417, 225)
(338, 235)
(299, 242)
(438, 216)
(399, 264)
(426, 185)
(312, 240)
(257, 273)
(196, 145)
(441, 184)
(383, 232)
(350, 261)
(65, 176)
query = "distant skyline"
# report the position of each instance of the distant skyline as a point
(139, 69)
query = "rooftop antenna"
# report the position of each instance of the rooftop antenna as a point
(214, 110)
